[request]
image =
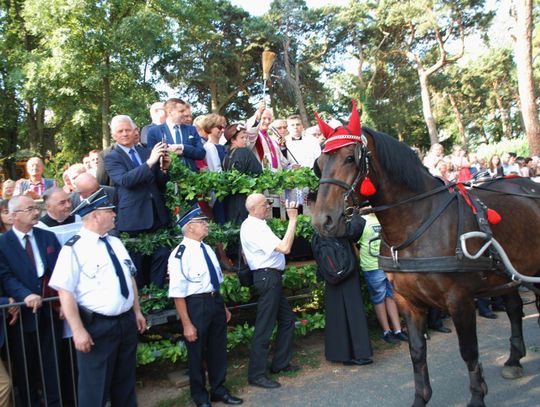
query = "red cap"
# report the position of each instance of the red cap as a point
(343, 135)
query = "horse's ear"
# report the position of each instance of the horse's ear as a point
(326, 130)
(354, 121)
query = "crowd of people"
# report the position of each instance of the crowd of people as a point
(122, 190)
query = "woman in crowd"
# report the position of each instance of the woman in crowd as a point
(241, 159)
(5, 217)
(213, 125)
(495, 166)
(8, 187)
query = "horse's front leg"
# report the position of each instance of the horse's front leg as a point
(512, 368)
(416, 319)
(464, 316)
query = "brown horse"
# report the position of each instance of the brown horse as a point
(421, 219)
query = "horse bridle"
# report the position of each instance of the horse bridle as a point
(362, 159)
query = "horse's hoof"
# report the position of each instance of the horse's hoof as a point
(512, 372)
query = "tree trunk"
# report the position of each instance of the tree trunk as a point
(505, 119)
(426, 108)
(523, 58)
(105, 104)
(299, 97)
(214, 105)
(459, 120)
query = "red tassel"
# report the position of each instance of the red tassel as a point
(493, 216)
(367, 188)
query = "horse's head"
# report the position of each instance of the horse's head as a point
(343, 169)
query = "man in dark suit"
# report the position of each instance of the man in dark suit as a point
(182, 138)
(140, 177)
(27, 258)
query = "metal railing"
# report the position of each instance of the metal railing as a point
(35, 342)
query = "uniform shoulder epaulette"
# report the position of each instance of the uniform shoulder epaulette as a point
(72, 241)
(180, 251)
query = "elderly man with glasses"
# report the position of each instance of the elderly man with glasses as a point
(195, 279)
(27, 258)
(265, 255)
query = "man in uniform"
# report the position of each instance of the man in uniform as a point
(95, 280)
(265, 255)
(195, 277)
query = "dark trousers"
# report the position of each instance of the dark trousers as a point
(34, 360)
(151, 268)
(207, 314)
(271, 307)
(108, 370)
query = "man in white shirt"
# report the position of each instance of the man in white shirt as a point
(265, 255)
(195, 278)
(94, 276)
(302, 150)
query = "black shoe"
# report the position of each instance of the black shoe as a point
(264, 382)
(358, 362)
(489, 315)
(390, 338)
(227, 399)
(402, 336)
(287, 369)
(443, 330)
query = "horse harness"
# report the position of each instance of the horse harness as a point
(439, 264)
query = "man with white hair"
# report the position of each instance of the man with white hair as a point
(27, 258)
(157, 113)
(195, 282)
(36, 184)
(260, 141)
(140, 177)
(95, 280)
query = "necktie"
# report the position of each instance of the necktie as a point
(117, 268)
(30, 251)
(213, 273)
(133, 156)
(178, 134)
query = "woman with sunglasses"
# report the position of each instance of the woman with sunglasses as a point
(243, 160)
(213, 125)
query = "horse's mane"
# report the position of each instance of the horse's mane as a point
(398, 160)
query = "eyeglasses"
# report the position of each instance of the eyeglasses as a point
(280, 127)
(29, 209)
(268, 202)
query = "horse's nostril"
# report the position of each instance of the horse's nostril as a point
(328, 223)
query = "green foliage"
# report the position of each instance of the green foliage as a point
(233, 292)
(154, 299)
(148, 352)
(239, 335)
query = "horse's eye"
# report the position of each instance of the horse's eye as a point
(349, 159)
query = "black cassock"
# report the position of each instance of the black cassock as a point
(346, 334)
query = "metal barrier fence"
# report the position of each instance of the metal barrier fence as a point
(41, 360)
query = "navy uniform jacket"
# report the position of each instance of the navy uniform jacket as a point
(193, 146)
(139, 191)
(19, 277)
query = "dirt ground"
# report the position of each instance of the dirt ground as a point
(155, 389)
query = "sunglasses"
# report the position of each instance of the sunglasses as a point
(220, 127)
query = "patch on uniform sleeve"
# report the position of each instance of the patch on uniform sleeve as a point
(72, 241)
(131, 267)
(180, 251)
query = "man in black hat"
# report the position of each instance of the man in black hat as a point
(95, 279)
(195, 277)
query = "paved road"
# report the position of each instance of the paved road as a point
(389, 382)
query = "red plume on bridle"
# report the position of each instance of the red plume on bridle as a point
(343, 136)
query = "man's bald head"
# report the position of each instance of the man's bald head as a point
(86, 184)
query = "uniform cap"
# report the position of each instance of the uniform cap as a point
(98, 200)
(195, 213)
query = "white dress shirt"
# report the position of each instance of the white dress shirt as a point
(40, 266)
(259, 244)
(190, 275)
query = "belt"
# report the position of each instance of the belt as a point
(202, 295)
(120, 316)
(269, 269)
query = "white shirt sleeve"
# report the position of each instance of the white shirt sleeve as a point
(65, 275)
